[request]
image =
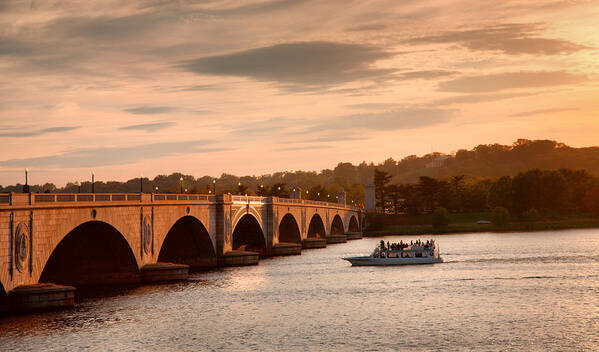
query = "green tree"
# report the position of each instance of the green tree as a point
(241, 189)
(590, 201)
(381, 179)
(428, 188)
(500, 193)
(279, 189)
(501, 216)
(527, 191)
(457, 193)
(531, 214)
(319, 193)
(262, 191)
(413, 202)
(440, 218)
(394, 192)
(554, 192)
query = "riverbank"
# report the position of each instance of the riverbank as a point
(403, 227)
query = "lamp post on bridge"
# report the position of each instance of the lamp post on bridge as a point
(214, 185)
(78, 186)
(26, 185)
(93, 182)
(181, 183)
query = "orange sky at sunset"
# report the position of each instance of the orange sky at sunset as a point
(252, 87)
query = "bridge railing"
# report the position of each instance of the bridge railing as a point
(63, 198)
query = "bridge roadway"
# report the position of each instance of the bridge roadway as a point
(51, 243)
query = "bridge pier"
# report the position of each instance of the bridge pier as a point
(336, 239)
(310, 243)
(41, 297)
(285, 248)
(164, 272)
(353, 235)
(240, 258)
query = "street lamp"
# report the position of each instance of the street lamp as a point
(181, 182)
(214, 184)
(26, 186)
(78, 185)
(93, 182)
(239, 188)
(156, 189)
(185, 190)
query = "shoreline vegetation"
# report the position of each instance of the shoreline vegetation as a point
(396, 225)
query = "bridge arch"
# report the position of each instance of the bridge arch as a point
(316, 228)
(93, 253)
(337, 226)
(289, 230)
(3, 298)
(248, 235)
(188, 242)
(353, 226)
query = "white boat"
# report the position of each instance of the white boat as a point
(407, 255)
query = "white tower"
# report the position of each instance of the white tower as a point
(369, 196)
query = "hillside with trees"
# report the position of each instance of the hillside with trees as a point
(465, 167)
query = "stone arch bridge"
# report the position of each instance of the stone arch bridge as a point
(96, 239)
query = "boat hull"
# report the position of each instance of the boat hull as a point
(370, 261)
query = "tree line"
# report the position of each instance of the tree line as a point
(486, 161)
(528, 193)
(327, 185)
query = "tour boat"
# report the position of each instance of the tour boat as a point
(404, 255)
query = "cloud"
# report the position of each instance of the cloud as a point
(511, 39)
(269, 126)
(376, 106)
(367, 27)
(510, 80)
(149, 127)
(307, 147)
(478, 98)
(312, 64)
(541, 111)
(400, 119)
(257, 8)
(31, 133)
(428, 74)
(333, 138)
(97, 157)
(149, 110)
(198, 87)
(13, 47)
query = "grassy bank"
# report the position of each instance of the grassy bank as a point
(402, 225)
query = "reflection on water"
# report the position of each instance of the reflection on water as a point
(495, 292)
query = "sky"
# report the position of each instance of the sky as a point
(130, 88)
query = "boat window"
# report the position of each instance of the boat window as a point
(406, 255)
(419, 254)
(376, 254)
(393, 255)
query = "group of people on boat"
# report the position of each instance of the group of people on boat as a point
(401, 245)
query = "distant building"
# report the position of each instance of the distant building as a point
(437, 161)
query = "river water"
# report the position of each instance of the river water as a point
(495, 292)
